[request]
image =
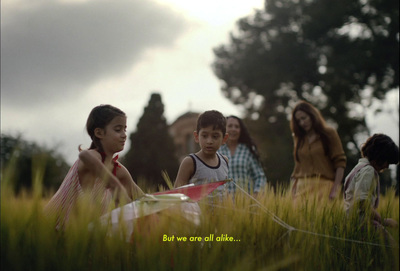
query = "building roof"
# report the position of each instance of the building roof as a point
(186, 115)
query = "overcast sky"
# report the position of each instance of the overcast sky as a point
(60, 58)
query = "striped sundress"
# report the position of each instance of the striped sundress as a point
(63, 202)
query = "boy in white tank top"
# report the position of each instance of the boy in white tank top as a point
(206, 165)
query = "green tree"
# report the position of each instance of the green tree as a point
(23, 159)
(152, 148)
(338, 55)
(274, 141)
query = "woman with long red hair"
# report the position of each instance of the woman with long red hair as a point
(318, 154)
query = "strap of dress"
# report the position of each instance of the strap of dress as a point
(116, 164)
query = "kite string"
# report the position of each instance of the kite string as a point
(291, 228)
(274, 217)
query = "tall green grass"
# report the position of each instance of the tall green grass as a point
(322, 238)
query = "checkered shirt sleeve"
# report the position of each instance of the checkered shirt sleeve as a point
(244, 169)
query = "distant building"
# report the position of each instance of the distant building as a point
(181, 131)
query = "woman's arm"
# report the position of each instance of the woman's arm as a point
(257, 175)
(336, 185)
(293, 183)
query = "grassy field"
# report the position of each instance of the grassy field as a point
(271, 233)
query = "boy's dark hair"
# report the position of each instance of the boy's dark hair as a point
(380, 148)
(212, 118)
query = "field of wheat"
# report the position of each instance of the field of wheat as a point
(269, 232)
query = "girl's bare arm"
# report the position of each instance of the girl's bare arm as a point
(92, 165)
(126, 179)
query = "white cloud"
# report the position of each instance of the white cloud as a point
(54, 50)
(61, 58)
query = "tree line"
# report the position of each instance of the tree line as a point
(339, 55)
(152, 152)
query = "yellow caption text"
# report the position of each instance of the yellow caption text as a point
(210, 238)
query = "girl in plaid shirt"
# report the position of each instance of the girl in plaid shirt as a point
(245, 167)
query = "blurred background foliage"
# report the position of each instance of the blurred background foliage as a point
(19, 158)
(342, 56)
(152, 148)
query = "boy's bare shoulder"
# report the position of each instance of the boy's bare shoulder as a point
(187, 161)
(185, 171)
